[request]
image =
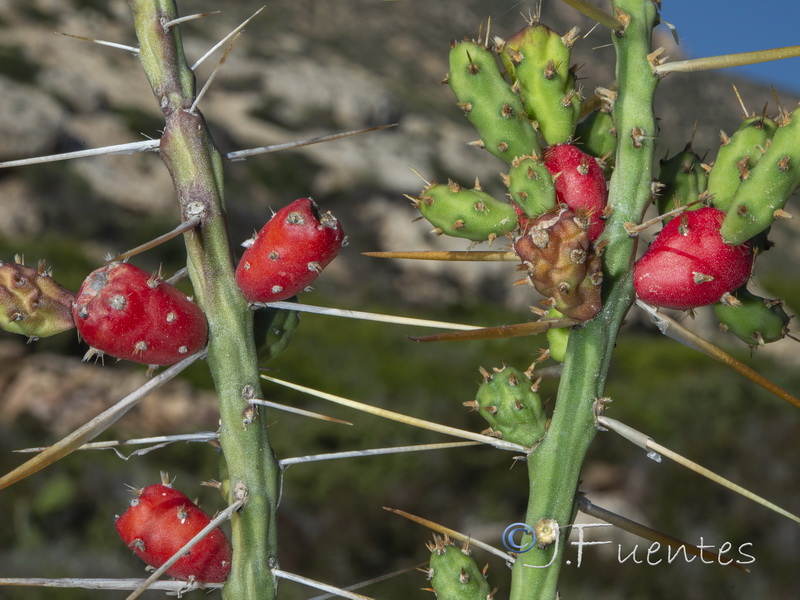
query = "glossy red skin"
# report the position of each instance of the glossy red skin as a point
(276, 266)
(171, 325)
(665, 275)
(581, 192)
(160, 521)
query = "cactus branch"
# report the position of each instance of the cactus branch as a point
(554, 467)
(195, 165)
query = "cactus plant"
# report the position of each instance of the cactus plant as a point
(584, 267)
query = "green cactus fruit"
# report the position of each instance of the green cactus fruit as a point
(557, 338)
(562, 263)
(508, 400)
(273, 329)
(489, 103)
(537, 60)
(760, 198)
(737, 155)
(684, 180)
(754, 320)
(32, 303)
(597, 135)
(454, 574)
(465, 213)
(531, 186)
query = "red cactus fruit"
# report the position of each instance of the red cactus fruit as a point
(580, 183)
(688, 265)
(160, 521)
(126, 312)
(289, 252)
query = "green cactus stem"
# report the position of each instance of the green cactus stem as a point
(32, 303)
(531, 186)
(250, 469)
(489, 103)
(557, 338)
(554, 466)
(509, 402)
(454, 574)
(737, 155)
(760, 198)
(754, 320)
(465, 213)
(537, 60)
(683, 179)
(273, 329)
(597, 135)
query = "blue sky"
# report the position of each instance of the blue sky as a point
(712, 27)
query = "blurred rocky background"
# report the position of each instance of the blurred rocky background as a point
(306, 68)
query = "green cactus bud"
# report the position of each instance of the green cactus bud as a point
(737, 155)
(760, 198)
(273, 329)
(465, 213)
(32, 303)
(754, 320)
(557, 337)
(507, 399)
(489, 103)
(454, 574)
(537, 60)
(531, 186)
(684, 180)
(597, 135)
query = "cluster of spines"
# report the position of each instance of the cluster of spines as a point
(453, 573)
(510, 403)
(31, 302)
